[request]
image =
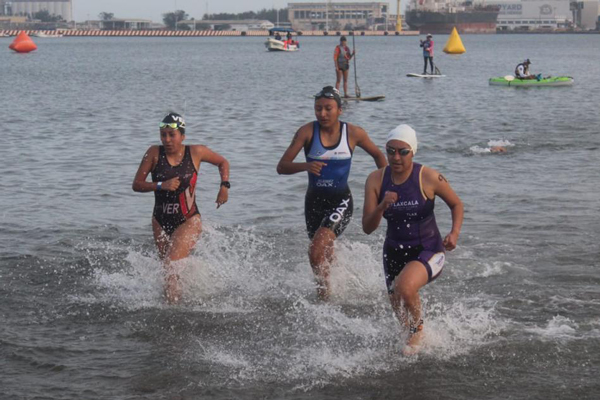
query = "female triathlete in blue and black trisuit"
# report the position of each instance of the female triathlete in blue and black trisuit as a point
(328, 146)
(176, 221)
(414, 252)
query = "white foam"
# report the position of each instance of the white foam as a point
(357, 273)
(491, 143)
(284, 334)
(558, 327)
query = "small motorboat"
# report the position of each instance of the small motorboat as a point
(278, 43)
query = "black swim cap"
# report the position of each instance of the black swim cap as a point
(177, 119)
(343, 39)
(329, 92)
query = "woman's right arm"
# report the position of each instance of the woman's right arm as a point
(146, 166)
(372, 209)
(287, 166)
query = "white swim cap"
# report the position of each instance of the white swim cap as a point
(406, 134)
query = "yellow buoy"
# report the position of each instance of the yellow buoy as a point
(454, 45)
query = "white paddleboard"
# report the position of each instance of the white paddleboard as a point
(425, 76)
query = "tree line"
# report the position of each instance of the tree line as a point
(172, 19)
(270, 15)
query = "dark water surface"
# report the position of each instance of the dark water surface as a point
(515, 314)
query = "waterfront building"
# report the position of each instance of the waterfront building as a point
(239, 25)
(326, 16)
(62, 8)
(526, 15)
(125, 24)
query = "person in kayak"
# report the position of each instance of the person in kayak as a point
(522, 71)
(341, 58)
(413, 252)
(328, 145)
(427, 46)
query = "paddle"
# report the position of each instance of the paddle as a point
(356, 87)
(509, 78)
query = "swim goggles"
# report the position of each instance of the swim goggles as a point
(172, 125)
(329, 93)
(392, 151)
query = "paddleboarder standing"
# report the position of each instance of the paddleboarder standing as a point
(341, 59)
(427, 46)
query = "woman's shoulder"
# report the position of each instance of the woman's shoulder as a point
(355, 130)
(197, 148)
(430, 175)
(153, 150)
(376, 177)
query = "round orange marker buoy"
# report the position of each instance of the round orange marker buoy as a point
(23, 43)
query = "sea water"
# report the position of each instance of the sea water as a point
(513, 316)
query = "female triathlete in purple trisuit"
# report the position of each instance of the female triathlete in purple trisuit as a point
(413, 252)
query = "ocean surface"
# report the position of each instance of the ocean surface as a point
(515, 314)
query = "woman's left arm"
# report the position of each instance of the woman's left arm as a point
(203, 153)
(364, 142)
(440, 187)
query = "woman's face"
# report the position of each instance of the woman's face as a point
(398, 162)
(171, 138)
(327, 112)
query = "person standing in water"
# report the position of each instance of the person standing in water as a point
(176, 222)
(413, 252)
(341, 59)
(427, 46)
(328, 146)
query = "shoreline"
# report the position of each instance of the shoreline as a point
(212, 33)
(208, 33)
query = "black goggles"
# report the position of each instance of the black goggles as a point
(392, 151)
(328, 94)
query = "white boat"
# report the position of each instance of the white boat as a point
(41, 34)
(280, 45)
(277, 43)
(2, 34)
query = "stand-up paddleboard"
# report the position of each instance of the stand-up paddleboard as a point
(369, 98)
(425, 76)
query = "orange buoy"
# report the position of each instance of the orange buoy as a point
(23, 43)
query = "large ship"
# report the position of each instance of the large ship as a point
(431, 16)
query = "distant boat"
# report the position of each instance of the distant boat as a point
(42, 34)
(429, 16)
(2, 34)
(278, 43)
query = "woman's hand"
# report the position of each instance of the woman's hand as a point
(222, 196)
(171, 185)
(314, 167)
(450, 241)
(388, 199)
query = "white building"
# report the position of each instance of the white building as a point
(231, 25)
(541, 14)
(63, 8)
(337, 16)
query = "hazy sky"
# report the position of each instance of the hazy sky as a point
(153, 9)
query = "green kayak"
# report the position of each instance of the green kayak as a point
(548, 81)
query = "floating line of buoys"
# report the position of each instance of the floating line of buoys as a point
(23, 43)
(454, 45)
